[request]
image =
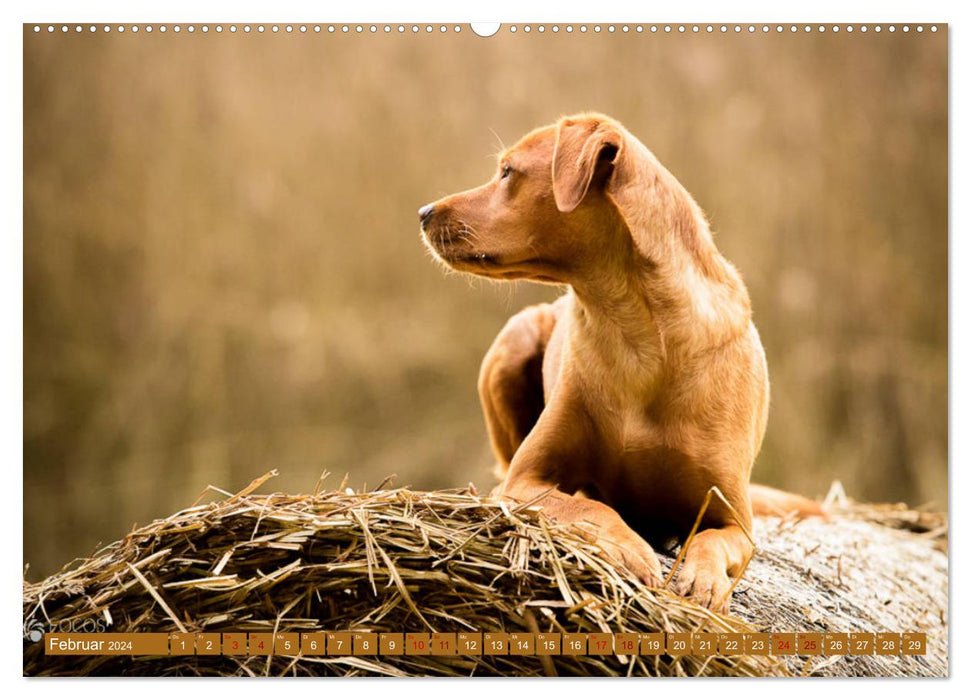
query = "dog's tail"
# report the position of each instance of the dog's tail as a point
(769, 501)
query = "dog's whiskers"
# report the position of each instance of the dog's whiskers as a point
(502, 146)
(467, 233)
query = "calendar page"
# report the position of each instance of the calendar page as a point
(473, 350)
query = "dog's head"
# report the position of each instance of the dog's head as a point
(550, 212)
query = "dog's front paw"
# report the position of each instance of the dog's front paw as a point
(636, 555)
(704, 579)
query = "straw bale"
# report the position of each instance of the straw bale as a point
(397, 560)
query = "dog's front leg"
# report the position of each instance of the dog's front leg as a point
(548, 469)
(714, 558)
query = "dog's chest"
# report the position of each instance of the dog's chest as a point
(618, 371)
(638, 422)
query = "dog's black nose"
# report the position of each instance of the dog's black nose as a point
(425, 213)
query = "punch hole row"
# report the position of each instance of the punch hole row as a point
(252, 28)
(718, 28)
(512, 29)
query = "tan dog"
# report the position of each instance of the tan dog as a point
(621, 404)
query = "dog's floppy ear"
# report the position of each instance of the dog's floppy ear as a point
(585, 153)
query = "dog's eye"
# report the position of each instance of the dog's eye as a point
(505, 172)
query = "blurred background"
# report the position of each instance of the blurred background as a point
(223, 273)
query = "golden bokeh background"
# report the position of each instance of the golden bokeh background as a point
(223, 273)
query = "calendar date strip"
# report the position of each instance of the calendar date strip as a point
(485, 644)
